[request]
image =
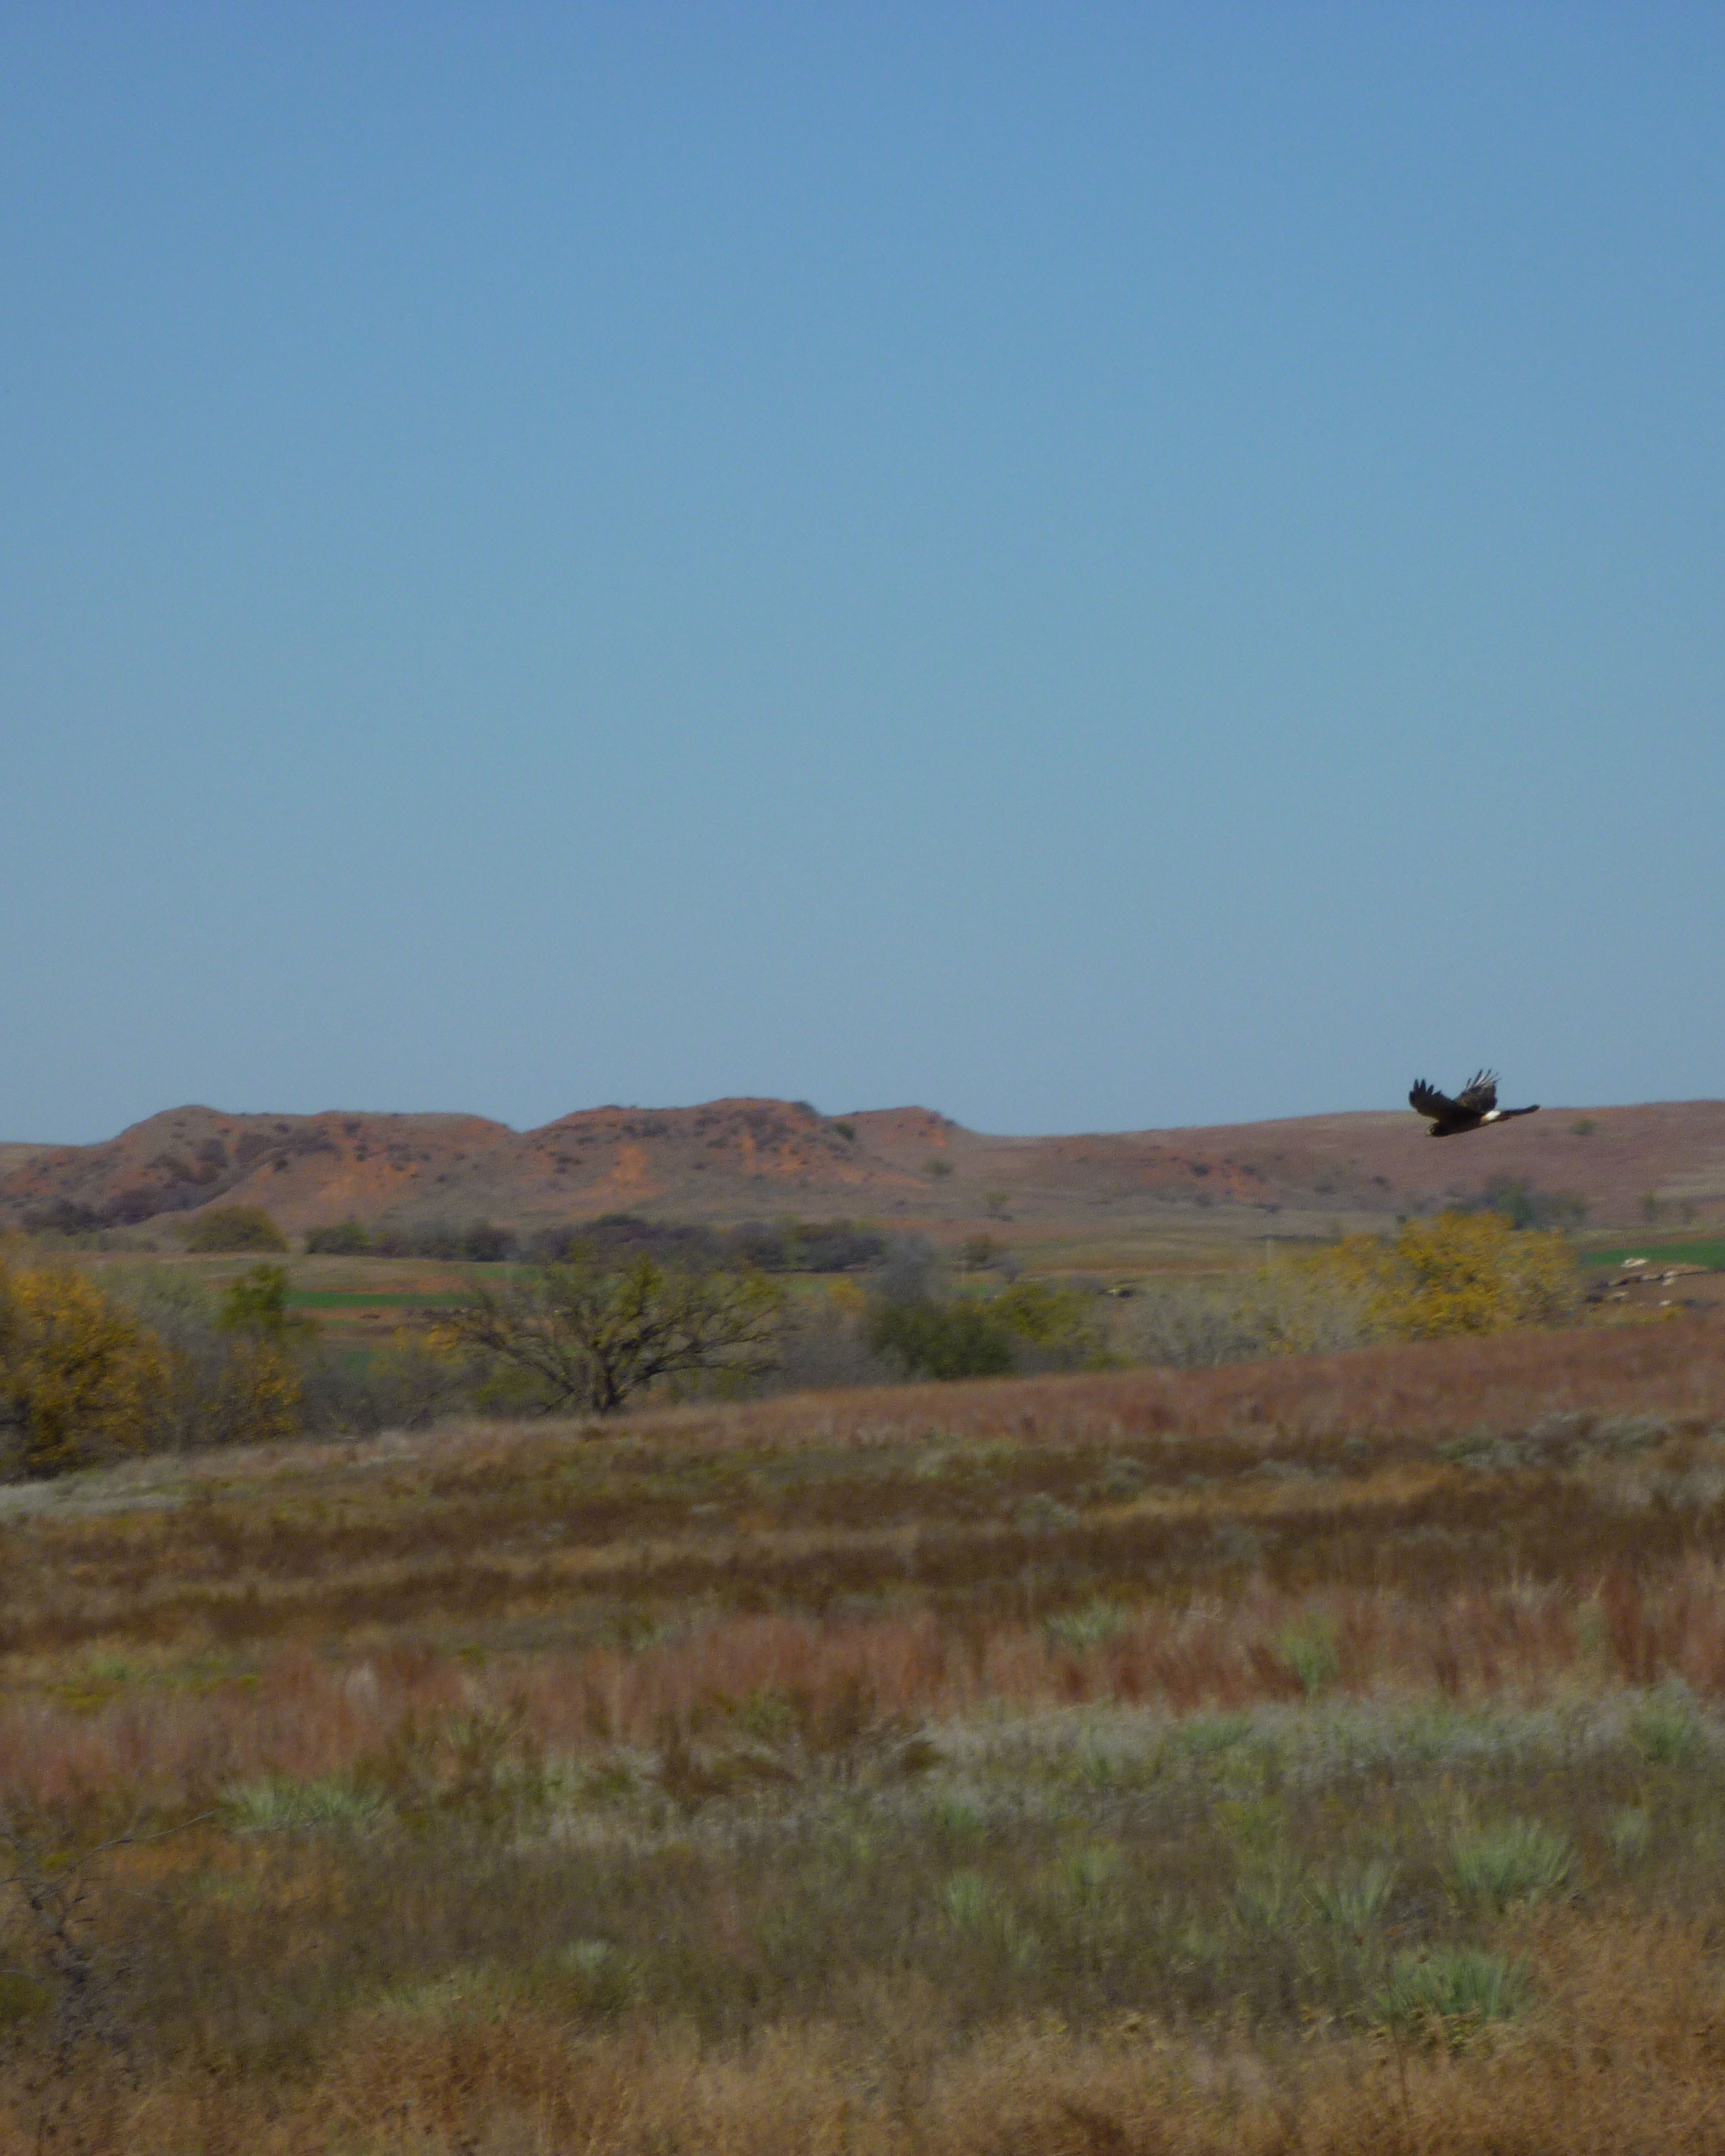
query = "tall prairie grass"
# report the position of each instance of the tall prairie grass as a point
(1325, 1754)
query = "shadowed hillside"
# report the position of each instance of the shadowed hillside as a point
(735, 1159)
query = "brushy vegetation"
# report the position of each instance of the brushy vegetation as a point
(80, 1379)
(1460, 1273)
(1524, 1206)
(577, 1338)
(1029, 1326)
(227, 1228)
(1312, 1754)
(617, 1240)
(145, 1356)
(149, 1357)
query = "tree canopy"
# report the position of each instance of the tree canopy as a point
(587, 1340)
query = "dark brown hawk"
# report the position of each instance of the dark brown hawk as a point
(1475, 1107)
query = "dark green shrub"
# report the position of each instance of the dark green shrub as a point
(1515, 1199)
(478, 1242)
(955, 1339)
(256, 1303)
(227, 1228)
(64, 1216)
(485, 1244)
(803, 1247)
(340, 1239)
(1057, 1325)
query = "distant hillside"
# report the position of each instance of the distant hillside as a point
(730, 1160)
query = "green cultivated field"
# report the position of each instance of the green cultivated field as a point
(1707, 1250)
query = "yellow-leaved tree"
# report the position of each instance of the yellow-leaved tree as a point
(1459, 1273)
(261, 1386)
(81, 1381)
(236, 1359)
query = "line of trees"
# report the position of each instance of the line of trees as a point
(150, 1356)
(618, 1239)
(1458, 1273)
(90, 1373)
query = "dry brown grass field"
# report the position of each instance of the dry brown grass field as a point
(1319, 1754)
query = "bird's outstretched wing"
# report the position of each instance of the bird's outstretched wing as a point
(1479, 1096)
(1429, 1101)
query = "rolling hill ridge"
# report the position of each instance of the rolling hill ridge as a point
(735, 1159)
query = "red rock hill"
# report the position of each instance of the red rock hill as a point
(736, 1159)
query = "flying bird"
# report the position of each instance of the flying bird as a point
(1476, 1105)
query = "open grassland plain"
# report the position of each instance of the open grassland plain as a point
(1320, 1754)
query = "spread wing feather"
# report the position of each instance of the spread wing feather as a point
(1429, 1101)
(1479, 1096)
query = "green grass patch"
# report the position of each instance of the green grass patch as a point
(1457, 1985)
(1706, 1251)
(1667, 1732)
(281, 1805)
(1519, 1861)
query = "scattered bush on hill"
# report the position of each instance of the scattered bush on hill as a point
(227, 1228)
(338, 1239)
(81, 1381)
(63, 1216)
(478, 1243)
(152, 1356)
(575, 1338)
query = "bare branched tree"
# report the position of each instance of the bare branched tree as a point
(58, 1890)
(588, 1339)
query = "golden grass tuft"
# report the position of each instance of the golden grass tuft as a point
(1625, 2060)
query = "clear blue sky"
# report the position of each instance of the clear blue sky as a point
(1089, 566)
